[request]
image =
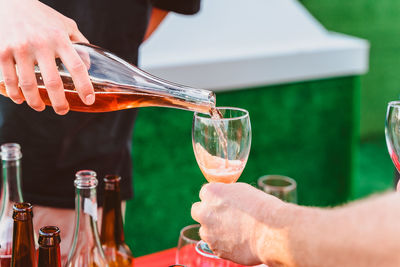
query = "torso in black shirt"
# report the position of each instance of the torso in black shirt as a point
(55, 147)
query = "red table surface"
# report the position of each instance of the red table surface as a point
(163, 258)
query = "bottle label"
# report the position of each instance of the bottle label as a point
(90, 208)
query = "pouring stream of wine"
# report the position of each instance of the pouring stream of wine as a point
(221, 132)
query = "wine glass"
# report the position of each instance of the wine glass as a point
(187, 255)
(392, 132)
(221, 144)
(282, 187)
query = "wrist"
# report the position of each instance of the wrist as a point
(273, 239)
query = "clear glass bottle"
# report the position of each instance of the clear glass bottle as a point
(86, 250)
(120, 85)
(49, 247)
(23, 248)
(11, 193)
(112, 236)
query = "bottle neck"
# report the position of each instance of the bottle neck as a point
(112, 231)
(23, 251)
(11, 186)
(86, 231)
(49, 256)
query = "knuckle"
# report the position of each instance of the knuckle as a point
(39, 43)
(53, 83)
(203, 233)
(204, 191)
(61, 39)
(14, 94)
(77, 66)
(22, 48)
(10, 80)
(28, 85)
(84, 88)
(195, 211)
(60, 106)
(57, 34)
(5, 53)
(72, 23)
(35, 103)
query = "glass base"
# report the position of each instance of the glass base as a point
(203, 249)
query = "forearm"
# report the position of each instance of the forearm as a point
(157, 16)
(365, 233)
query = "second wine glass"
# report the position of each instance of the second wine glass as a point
(392, 132)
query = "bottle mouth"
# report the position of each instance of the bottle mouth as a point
(11, 151)
(85, 179)
(112, 178)
(111, 182)
(22, 211)
(49, 236)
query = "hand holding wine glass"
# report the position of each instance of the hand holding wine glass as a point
(236, 221)
(221, 144)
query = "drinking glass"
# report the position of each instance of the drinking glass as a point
(221, 144)
(188, 255)
(283, 187)
(392, 132)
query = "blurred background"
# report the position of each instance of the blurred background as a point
(317, 103)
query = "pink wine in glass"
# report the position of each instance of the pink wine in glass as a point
(217, 169)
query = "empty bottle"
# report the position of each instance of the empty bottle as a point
(49, 247)
(11, 193)
(86, 250)
(23, 248)
(116, 251)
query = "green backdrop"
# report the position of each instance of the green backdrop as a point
(378, 22)
(308, 131)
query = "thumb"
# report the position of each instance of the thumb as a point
(77, 37)
(73, 32)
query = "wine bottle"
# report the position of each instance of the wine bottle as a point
(120, 85)
(49, 247)
(86, 250)
(23, 248)
(10, 193)
(112, 236)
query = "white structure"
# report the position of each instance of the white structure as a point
(233, 44)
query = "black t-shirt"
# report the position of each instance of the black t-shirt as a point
(55, 147)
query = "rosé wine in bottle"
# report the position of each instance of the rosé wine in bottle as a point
(120, 85)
